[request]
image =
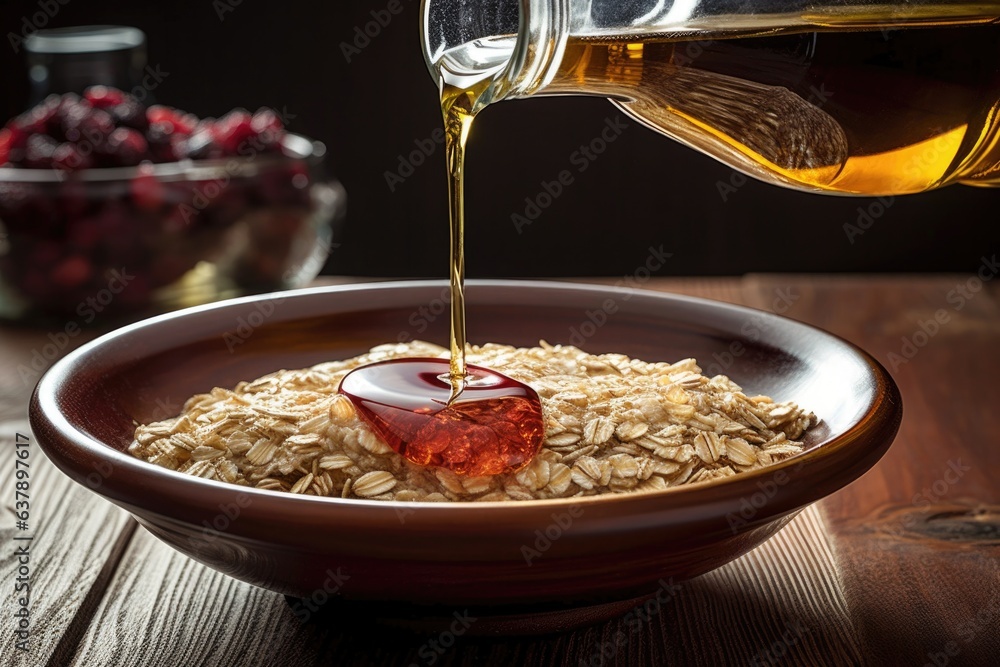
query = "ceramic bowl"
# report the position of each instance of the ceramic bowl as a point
(595, 555)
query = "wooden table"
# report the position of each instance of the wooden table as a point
(900, 568)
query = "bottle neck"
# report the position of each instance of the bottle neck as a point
(543, 29)
(512, 47)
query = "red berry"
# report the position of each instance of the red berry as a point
(189, 123)
(38, 154)
(71, 272)
(18, 138)
(178, 146)
(30, 122)
(269, 128)
(178, 121)
(69, 158)
(201, 145)
(6, 145)
(233, 130)
(266, 119)
(126, 147)
(103, 97)
(92, 128)
(68, 116)
(159, 136)
(129, 113)
(147, 192)
(159, 114)
(186, 123)
(51, 102)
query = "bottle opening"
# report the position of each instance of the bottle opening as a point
(513, 43)
(450, 24)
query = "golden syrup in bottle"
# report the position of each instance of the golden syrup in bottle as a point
(870, 112)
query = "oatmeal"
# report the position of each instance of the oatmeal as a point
(612, 424)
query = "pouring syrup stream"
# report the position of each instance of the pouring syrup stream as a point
(471, 420)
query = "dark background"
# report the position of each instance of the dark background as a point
(644, 191)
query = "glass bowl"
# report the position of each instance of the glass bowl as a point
(109, 241)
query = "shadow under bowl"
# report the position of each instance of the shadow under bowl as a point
(528, 566)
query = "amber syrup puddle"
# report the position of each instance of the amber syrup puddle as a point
(493, 427)
(438, 412)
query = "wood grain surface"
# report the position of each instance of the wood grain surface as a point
(900, 568)
(918, 538)
(75, 533)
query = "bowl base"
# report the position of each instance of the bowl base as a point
(473, 621)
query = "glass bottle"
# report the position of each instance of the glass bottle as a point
(840, 97)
